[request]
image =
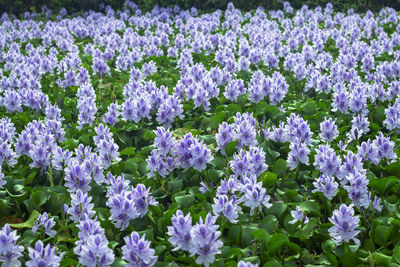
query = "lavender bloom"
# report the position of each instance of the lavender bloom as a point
(205, 241)
(255, 197)
(81, 207)
(376, 204)
(246, 264)
(392, 120)
(361, 123)
(352, 163)
(122, 210)
(344, 224)
(77, 177)
(299, 215)
(43, 256)
(298, 154)
(240, 163)
(201, 155)
(298, 129)
(2, 181)
(329, 130)
(95, 252)
(87, 110)
(384, 147)
(367, 151)
(7, 154)
(257, 160)
(7, 130)
(326, 160)
(137, 251)
(100, 67)
(277, 134)
(224, 136)
(228, 207)
(10, 252)
(142, 199)
(327, 185)
(179, 232)
(112, 115)
(245, 129)
(164, 141)
(48, 223)
(358, 190)
(12, 101)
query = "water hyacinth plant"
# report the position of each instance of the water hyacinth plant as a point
(179, 137)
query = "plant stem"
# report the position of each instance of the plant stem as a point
(49, 171)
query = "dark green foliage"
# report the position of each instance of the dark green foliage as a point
(18, 7)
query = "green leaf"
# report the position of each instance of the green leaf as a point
(230, 148)
(185, 201)
(260, 107)
(276, 242)
(234, 108)
(280, 167)
(272, 263)
(38, 198)
(311, 207)
(127, 151)
(268, 178)
(175, 186)
(217, 119)
(396, 254)
(29, 223)
(261, 234)
(381, 259)
(382, 234)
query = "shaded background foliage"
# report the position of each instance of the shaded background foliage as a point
(18, 7)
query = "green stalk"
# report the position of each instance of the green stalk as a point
(50, 177)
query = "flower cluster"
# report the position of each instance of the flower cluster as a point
(10, 252)
(201, 239)
(344, 225)
(46, 222)
(170, 154)
(126, 204)
(137, 251)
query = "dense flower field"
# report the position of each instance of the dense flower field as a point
(176, 137)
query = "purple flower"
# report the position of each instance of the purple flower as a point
(179, 232)
(10, 252)
(329, 130)
(367, 151)
(299, 215)
(137, 251)
(95, 252)
(327, 185)
(298, 154)
(205, 241)
(246, 264)
(326, 160)
(43, 256)
(122, 210)
(384, 147)
(255, 197)
(227, 207)
(77, 177)
(224, 136)
(142, 199)
(81, 207)
(201, 155)
(344, 225)
(358, 190)
(2, 181)
(48, 223)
